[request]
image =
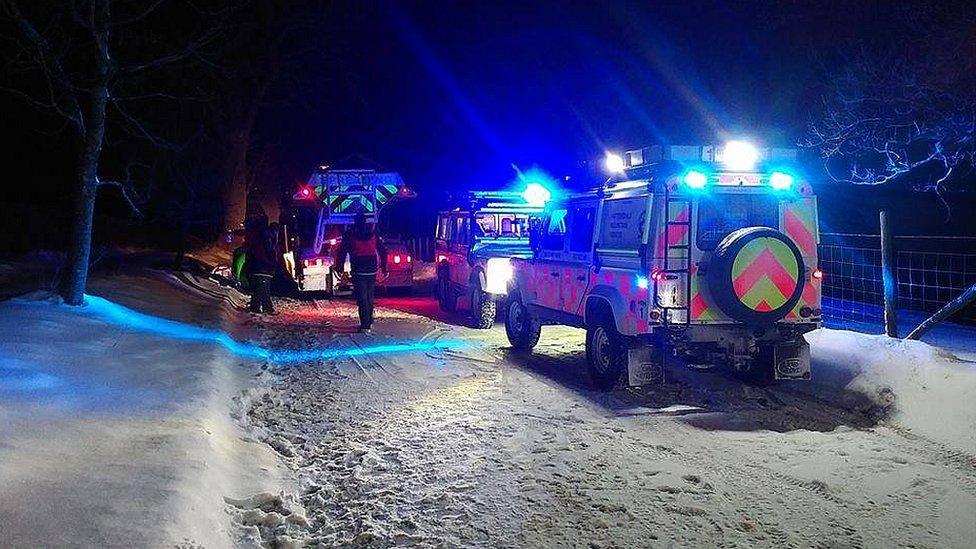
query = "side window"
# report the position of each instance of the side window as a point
(450, 231)
(581, 228)
(555, 231)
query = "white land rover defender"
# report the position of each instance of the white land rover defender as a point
(475, 243)
(703, 254)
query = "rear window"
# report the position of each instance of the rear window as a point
(720, 214)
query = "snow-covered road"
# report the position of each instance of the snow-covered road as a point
(461, 443)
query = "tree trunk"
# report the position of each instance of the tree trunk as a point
(235, 189)
(75, 277)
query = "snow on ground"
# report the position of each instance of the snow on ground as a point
(474, 446)
(117, 433)
(115, 429)
(929, 391)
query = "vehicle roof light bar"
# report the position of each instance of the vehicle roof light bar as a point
(701, 153)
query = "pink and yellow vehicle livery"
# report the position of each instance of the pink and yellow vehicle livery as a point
(703, 254)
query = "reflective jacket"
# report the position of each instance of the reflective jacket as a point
(259, 255)
(366, 252)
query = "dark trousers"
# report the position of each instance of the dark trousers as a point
(364, 286)
(260, 292)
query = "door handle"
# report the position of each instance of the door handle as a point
(555, 275)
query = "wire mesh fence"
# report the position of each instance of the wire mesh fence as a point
(929, 270)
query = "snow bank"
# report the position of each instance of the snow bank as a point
(919, 387)
(115, 425)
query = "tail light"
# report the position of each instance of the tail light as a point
(409, 259)
(397, 259)
(817, 274)
(441, 258)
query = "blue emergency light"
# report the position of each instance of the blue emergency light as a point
(781, 181)
(695, 179)
(536, 194)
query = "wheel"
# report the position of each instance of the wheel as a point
(522, 330)
(606, 354)
(482, 309)
(756, 275)
(445, 297)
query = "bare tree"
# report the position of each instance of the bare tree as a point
(903, 108)
(90, 54)
(273, 57)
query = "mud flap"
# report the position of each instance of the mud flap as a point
(792, 360)
(644, 365)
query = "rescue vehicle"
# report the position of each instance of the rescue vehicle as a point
(474, 245)
(703, 254)
(319, 213)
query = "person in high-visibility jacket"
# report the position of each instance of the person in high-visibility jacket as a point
(367, 255)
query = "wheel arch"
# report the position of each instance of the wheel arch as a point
(601, 300)
(477, 278)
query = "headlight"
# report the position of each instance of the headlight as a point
(498, 272)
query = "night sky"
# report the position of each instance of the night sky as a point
(459, 91)
(453, 94)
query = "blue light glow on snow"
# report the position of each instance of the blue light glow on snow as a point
(108, 311)
(16, 376)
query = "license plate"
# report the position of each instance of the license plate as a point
(792, 360)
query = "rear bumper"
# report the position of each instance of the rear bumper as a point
(396, 279)
(316, 278)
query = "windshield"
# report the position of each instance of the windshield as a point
(501, 225)
(720, 214)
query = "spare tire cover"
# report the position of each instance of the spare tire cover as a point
(756, 275)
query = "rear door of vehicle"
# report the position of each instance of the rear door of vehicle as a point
(459, 247)
(441, 235)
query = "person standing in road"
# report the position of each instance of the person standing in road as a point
(367, 254)
(259, 263)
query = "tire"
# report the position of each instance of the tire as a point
(606, 354)
(482, 309)
(445, 297)
(522, 329)
(743, 299)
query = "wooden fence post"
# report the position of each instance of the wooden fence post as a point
(889, 277)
